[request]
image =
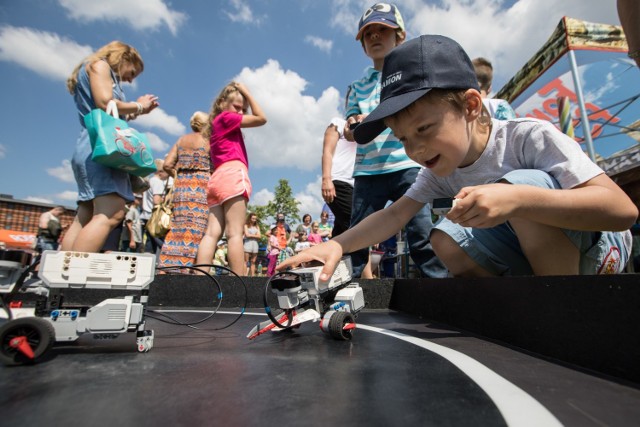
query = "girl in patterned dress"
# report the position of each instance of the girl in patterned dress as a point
(189, 162)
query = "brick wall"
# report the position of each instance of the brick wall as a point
(22, 215)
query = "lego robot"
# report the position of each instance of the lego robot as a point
(31, 330)
(303, 297)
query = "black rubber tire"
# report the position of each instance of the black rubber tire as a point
(40, 335)
(336, 324)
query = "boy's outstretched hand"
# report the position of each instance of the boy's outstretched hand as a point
(328, 253)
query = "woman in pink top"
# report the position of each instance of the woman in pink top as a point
(229, 187)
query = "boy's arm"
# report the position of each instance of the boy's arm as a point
(43, 222)
(132, 243)
(325, 232)
(373, 229)
(331, 137)
(353, 114)
(596, 205)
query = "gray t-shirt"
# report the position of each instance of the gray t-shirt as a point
(513, 145)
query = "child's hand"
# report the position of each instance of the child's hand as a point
(348, 132)
(241, 88)
(328, 253)
(484, 206)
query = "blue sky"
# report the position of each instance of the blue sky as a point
(297, 57)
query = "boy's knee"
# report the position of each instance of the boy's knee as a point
(457, 261)
(534, 177)
(443, 245)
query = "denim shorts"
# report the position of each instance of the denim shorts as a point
(95, 180)
(498, 250)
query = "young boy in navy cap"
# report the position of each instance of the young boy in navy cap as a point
(527, 199)
(383, 172)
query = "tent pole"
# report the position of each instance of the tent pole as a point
(586, 127)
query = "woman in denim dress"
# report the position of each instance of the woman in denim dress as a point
(102, 191)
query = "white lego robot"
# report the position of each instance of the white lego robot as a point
(30, 332)
(303, 296)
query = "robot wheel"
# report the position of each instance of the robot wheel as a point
(25, 340)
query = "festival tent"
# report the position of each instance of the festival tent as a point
(587, 64)
(17, 239)
(583, 68)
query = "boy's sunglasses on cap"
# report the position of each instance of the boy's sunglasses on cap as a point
(378, 7)
(386, 14)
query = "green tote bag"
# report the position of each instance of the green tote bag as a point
(116, 145)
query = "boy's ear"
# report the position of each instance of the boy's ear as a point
(401, 36)
(473, 106)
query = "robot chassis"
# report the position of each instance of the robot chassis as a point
(30, 332)
(302, 297)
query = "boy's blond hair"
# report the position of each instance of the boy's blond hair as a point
(455, 98)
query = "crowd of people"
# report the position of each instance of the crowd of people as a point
(418, 125)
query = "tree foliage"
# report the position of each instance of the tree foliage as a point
(283, 202)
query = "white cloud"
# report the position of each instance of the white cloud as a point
(157, 144)
(296, 122)
(44, 53)
(139, 15)
(601, 89)
(61, 198)
(310, 199)
(67, 196)
(346, 14)
(262, 197)
(3, 151)
(320, 43)
(38, 199)
(242, 13)
(63, 172)
(506, 36)
(159, 119)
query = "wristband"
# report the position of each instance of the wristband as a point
(140, 109)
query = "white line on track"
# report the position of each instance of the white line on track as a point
(516, 406)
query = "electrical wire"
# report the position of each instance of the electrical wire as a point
(198, 267)
(5, 299)
(288, 311)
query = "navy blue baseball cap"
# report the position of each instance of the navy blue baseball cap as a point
(380, 13)
(410, 71)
